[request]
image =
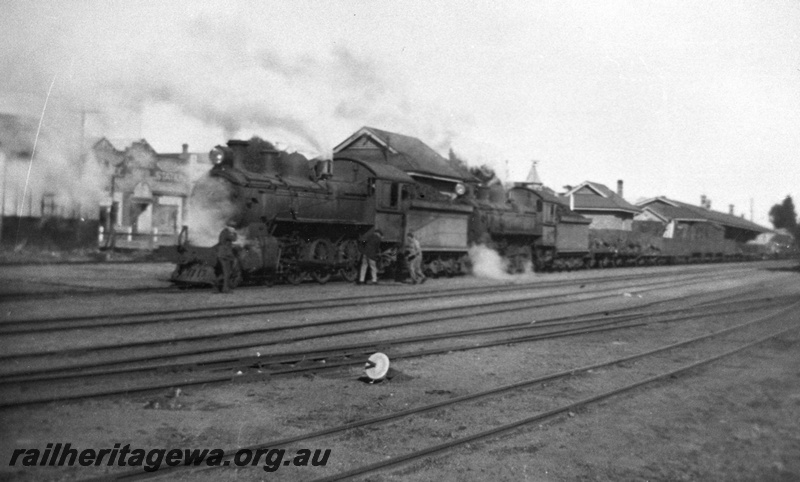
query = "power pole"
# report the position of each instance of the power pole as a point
(3, 194)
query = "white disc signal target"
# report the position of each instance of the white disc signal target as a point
(377, 366)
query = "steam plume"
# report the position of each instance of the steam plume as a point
(487, 263)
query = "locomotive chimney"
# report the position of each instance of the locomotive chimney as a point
(619, 188)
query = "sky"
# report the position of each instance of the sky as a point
(675, 98)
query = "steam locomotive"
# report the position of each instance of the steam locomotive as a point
(301, 219)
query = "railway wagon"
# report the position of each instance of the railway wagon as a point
(645, 246)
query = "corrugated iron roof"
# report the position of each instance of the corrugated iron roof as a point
(406, 153)
(679, 210)
(671, 210)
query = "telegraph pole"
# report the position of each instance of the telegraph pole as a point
(3, 202)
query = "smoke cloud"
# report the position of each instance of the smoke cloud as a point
(209, 210)
(40, 174)
(118, 68)
(487, 263)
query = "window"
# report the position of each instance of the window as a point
(388, 194)
(49, 205)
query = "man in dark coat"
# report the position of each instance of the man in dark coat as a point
(370, 250)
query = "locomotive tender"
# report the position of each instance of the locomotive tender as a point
(300, 219)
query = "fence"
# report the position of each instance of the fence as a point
(49, 232)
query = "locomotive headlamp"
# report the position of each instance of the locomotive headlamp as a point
(217, 155)
(461, 189)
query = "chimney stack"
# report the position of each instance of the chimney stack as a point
(186, 148)
(619, 188)
(730, 209)
(703, 201)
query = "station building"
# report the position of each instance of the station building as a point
(687, 221)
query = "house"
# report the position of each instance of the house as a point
(147, 191)
(607, 209)
(408, 154)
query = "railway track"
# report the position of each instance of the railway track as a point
(59, 290)
(668, 361)
(391, 320)
(105, 320)
(106, 374)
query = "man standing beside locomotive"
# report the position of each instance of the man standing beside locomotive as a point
(370, 250)
(225, 259)
(413, 253)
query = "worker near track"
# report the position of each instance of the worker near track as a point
(370, 247)
(225, 259)
(413, 253)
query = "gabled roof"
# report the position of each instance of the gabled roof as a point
(406, 153)
(141, 144)
(593, 196)
(118, 144)
(670, 210)
(682, 211)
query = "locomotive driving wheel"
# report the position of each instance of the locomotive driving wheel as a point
(348, 254)
(321, 251)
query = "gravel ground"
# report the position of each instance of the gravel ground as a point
(737, 419)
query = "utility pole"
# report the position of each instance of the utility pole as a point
(3, 194)
(111, 221)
